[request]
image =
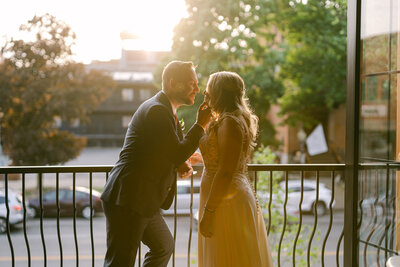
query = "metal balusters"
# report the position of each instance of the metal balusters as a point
(140, 254)
(300, 218)
(175, 225)
(28, 250)
(385, 218)
(330, 218)
(58, 218)
(41, 218)
(270, 208)
(8, 220)
(393, 211)
(74, 205)
(338, 247)
(315, 222)
(255, 181)
(387, 223)
(361, 199)
(270, 201)
(375, 219)
(284, 218)
(191, 219)
(91, 215)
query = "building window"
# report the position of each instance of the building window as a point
(144, 94)
(125, 121)
(75, 123)
(57, 122)
(127, 94)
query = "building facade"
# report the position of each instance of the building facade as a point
(133, 74)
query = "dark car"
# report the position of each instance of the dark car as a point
(82, 203)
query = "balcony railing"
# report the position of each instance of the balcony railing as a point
(292, 197)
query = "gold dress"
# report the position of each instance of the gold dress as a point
(239, 236)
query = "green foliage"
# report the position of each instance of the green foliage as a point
(291, 51)
(38, 83)
(236, 36)
(264, 155)
(315, 66)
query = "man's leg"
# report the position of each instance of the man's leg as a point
(160, 241)
(124, 232)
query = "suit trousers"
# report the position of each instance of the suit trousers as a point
(126, 229)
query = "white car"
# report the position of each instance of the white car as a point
(16, 210)
(183, 198)
(309, 196)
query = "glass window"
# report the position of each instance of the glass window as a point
(2, 200)
(379, 135)
(308, 189)
(50, 196)
(294, 189)
(125, 121)
(144, 94)
(57, 121)
(75, 123)
(127, 94)
(81, 195)
(67, 194)
(375, 28)
(183, 190)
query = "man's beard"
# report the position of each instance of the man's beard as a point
(184, 100)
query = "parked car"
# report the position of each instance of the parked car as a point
(309, 196)
(15, 206)
(183, 198)
(82, 202)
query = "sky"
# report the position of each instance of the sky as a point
(98, 24)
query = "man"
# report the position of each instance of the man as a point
(144, 178)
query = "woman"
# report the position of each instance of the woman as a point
(232, 230)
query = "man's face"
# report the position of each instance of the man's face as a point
(186, 90)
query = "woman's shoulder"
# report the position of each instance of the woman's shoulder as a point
(232, 118)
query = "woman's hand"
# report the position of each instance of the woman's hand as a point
(207, 224)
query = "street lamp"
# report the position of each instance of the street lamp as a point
(301, 136)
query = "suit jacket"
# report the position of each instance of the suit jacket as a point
(144, 177)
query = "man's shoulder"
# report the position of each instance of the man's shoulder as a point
(151, 104)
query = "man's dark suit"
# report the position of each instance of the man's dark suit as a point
(144, 178)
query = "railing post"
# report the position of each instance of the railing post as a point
(351, 236)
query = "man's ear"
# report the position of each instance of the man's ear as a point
(172, 83)
(175, 84)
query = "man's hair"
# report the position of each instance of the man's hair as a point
(177, 70)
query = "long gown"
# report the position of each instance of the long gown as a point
(239, 236)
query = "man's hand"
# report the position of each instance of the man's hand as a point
(195, 158)
(203, 115)
(185, 169)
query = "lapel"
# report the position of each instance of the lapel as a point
(163, 99)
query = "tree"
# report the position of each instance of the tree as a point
(237, 36)
(314, 71)
(39, 82)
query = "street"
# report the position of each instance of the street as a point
(84, 242)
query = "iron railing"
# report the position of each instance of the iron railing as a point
(297, 237)
(377, 212)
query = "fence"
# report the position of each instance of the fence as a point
(293, 198)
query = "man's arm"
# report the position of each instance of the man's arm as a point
(162, 130)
